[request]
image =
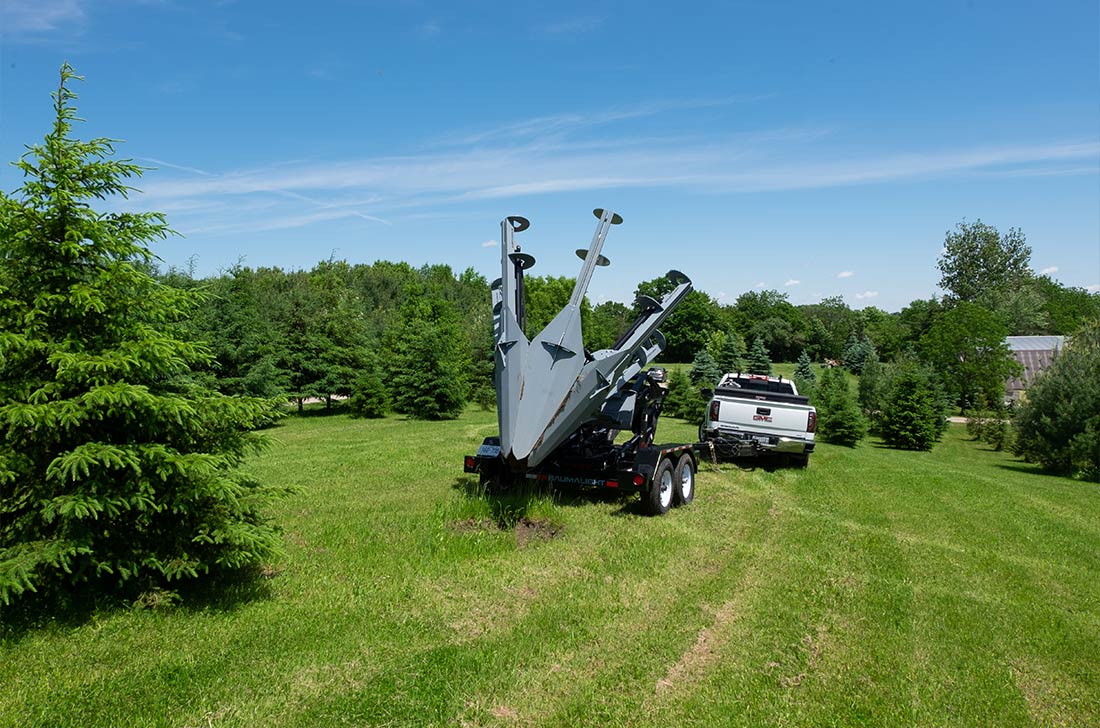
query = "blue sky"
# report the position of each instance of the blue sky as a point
(814, 148)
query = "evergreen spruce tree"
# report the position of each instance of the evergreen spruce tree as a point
(115, 465)
(368, 396)
(1059, 423)
(839, 420)
(856, 352)
(805, 369)
(683, 399)
(913, 416)
(704, 370)
(874, 387)
(731, 357)
(804, 375)
(426, 359)
(758, 360)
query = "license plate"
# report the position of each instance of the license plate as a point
(763, 440)
(488, 451)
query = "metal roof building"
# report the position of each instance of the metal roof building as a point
(1035, 354)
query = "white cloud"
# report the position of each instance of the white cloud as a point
(792, 282)
(866, 294)
(1094, 288)
(488, 243)
(1048, 271)
(539, 156)
(761, 284)
(37, 16)
(720, 296)
(845, 274)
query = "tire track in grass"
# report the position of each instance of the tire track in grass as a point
(615, 649)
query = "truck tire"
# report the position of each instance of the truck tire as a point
(800, 461)
(658, 499)
(685, 480)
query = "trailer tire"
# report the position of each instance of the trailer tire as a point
(685, 480)
(658, 499)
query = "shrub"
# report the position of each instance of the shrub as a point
(1058, 425)
(838, 418)
(116, 465)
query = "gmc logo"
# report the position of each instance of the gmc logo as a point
(761, 418)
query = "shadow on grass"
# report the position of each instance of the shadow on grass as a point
(58, 608)
(317, 410)
(1020, 466)
(515, 504)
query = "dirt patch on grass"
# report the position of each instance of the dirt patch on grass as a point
(704, 652)
(1048, 702)
(810, 647)
(530, 530)
(474, 525)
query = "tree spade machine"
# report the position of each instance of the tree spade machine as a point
(561, 408)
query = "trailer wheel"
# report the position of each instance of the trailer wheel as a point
(685, 479)
(658, 499)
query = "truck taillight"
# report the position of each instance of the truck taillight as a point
(714, 410)
(811, 422)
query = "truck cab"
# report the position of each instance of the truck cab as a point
(750, 415)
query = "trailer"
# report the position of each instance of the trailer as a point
(561, 408)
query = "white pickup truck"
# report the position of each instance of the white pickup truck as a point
(751, 414)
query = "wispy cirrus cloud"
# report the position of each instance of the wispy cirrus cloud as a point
(792, 282)
(845, 274)
(1047, 271)
(28, 17)
(489, 244)
(866, 294)
(541, 156)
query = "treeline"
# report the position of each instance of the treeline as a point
(418, 341)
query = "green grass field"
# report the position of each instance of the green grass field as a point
(876, 588)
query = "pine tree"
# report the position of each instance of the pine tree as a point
(804, 375)
(1059, 424)
(116, 465)
(704, 370)
(683, 399)
(874, 387)
(731, 357)
(913, 416)
(805, 370)
(426, 359)
(369, 397)
(758, 360)
(856, 352)
(838, 418)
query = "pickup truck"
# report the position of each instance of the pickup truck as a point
(751, 415)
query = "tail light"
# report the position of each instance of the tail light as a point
(811, 422)
(714, 410)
